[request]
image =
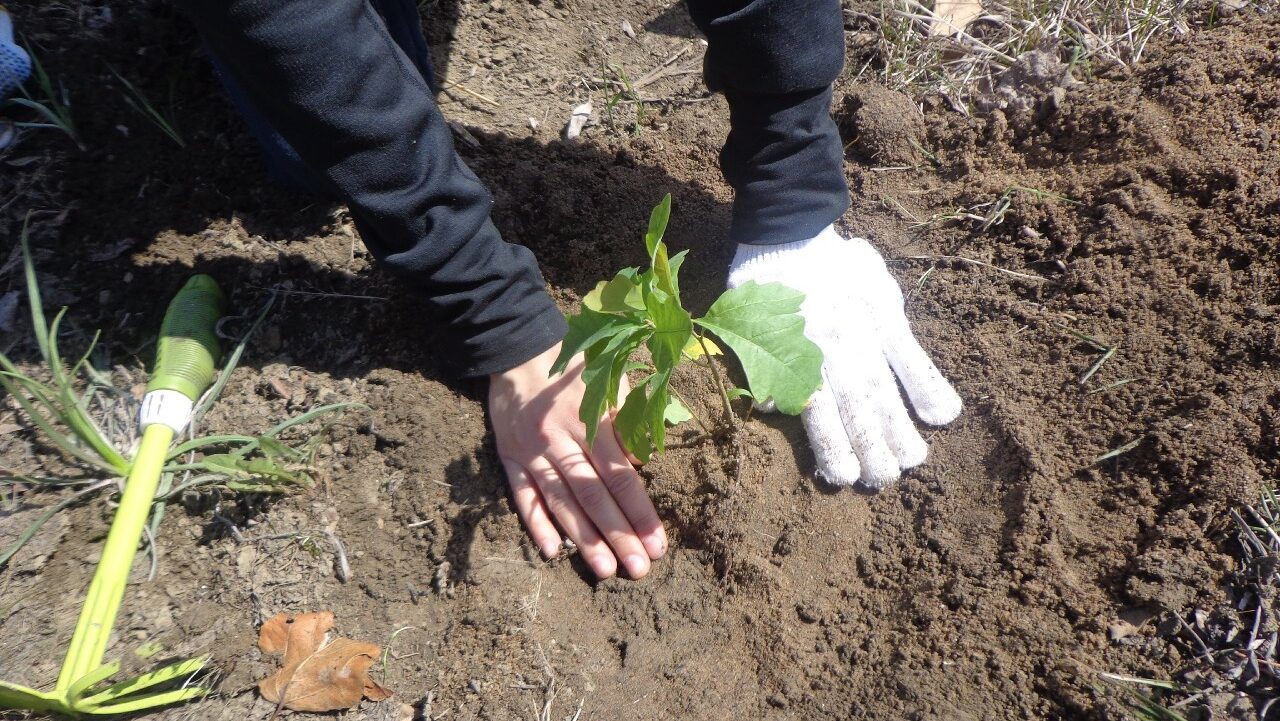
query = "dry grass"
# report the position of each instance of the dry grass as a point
(1082, 33)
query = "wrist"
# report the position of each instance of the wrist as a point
(811, 255)
(537, 368)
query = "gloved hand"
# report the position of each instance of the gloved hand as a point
(15, 66)
(853, 309)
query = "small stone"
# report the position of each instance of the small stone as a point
(807, 613)
(1119, 629)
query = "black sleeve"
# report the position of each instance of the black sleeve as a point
(329, 78)
(775, 61)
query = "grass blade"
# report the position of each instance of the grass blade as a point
(1094, 368)
(1117, 451)
(196, 444)
(229, 366)
(51, 116)
(201, 480)
(142, 703)
(93, 678)
(147, 110)
(1111, 386)
(115, 693)
(33, 292)
(52, 434)
(311, 415)
(43, 518)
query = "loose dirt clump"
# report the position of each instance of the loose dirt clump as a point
(883, 126)
(1140, 215)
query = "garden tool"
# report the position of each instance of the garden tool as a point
(15, 65)
(185, 356)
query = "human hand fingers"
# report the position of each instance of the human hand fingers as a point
(832, 451)
(865, 394)
(624, 484)
(532, 510)
(935, 400)
(566, 510)
(596, 499)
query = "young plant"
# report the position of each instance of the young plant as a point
(760, 324)
(139, 102)
(625, 94)
(53, 105)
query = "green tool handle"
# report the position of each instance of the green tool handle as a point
(188, 345)
(188, 348)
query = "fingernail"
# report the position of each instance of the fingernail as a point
(656, 544)
(637, 566)
(549, 550)
(604, 566)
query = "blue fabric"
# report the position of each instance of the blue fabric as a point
(15, 67)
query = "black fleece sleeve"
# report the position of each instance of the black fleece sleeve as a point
(775, 61)
(330, 79)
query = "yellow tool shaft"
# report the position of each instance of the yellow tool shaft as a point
(93, 630)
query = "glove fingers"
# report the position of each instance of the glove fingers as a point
(862, 386)
(900, 432)
(935, 401)
(837, 463)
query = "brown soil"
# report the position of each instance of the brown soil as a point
(981, 586)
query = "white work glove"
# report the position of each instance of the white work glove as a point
(853, 309)
(15, 66)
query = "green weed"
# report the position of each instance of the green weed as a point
(60, 414)
(138, 101)
(52, 103)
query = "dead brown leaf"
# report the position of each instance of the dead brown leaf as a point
(318, 674)
(952, 16)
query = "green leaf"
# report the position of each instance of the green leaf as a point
(13, 696)
(620, 366)
(676, 413)
(658, 261)
(620, 295)
(657, 224)
(672, 328)
(122, 692)
(659, 398)
(642, 420)
(630, 422)
(254, 474)
(662, 271)
(274, 449)
(587, 329)
(600, 378)
(761, 325)
(736, 393)
(676, 262)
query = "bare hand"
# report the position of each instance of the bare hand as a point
(593, 493)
